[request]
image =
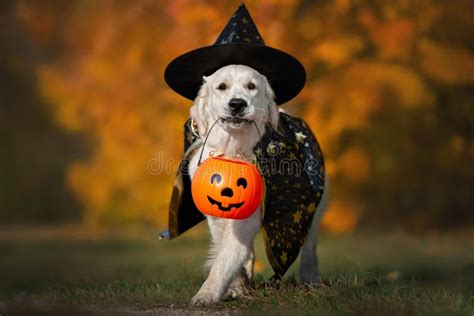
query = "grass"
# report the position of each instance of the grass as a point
(134, 272)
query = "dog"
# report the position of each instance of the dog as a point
(237, 97)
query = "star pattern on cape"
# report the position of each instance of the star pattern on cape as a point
(300, 137)
(297, 216)
(311, 207)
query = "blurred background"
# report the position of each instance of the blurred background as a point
(84, 108)
(91, 137)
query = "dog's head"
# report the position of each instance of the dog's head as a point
(238, 96)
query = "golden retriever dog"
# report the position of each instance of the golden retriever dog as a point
(237, 98)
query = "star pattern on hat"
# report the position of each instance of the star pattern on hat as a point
(239, 43)
(241, 29)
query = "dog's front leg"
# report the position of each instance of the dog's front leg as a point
(236, 247)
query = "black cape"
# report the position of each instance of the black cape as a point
(292, 165)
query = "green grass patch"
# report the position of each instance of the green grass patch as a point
(364, 274)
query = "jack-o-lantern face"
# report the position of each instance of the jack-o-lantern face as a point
(227, 188)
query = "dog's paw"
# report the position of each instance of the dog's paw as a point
(238, 291)
(203, 298)
(310, 277)
(309, 274)
(239, 286)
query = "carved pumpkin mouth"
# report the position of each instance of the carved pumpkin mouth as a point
(222, 208)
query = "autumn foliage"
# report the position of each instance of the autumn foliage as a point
(389, 95)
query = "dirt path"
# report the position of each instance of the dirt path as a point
(38, 307)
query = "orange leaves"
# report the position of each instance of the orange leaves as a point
(337, 51)
(354, 164)
(351, 98)
(446, 64)
(366, 60)
(54, 88)
(396, 80)
(113, 95)
(393, 38)
(341, 217)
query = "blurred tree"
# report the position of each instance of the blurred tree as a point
(389, 94)
(35, 153)
(393, 100)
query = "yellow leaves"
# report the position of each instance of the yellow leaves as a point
(90, 186)
(446, 64)
(59, 94)
(403, 83)
(337, 51)
(363, 59)
(341, 217)
(348, 100)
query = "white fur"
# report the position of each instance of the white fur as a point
(231, 266)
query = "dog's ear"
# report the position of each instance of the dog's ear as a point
(198, 109)
(272, 107)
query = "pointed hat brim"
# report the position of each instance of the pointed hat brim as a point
(284, 72)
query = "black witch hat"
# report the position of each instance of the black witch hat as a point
(239, 43)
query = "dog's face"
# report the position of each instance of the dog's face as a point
(237, 95)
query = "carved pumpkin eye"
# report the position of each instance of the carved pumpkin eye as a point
(242, 182)
(216, 178)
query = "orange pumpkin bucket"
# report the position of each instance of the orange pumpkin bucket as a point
(227, 188)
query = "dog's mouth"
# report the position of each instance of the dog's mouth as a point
(236, 121)
(222, 208)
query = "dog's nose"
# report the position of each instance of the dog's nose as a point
(237, 105)
(227, 192)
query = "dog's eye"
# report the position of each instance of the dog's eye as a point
(222, 86)
(216, 178)
(251, 86)
(242, 182)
